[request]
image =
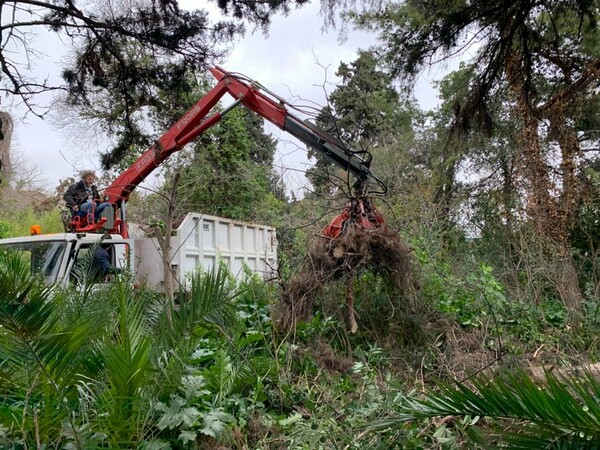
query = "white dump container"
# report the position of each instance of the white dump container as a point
(202, 240)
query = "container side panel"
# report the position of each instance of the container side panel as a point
(236, 266)
(223, 242)
(237, 238)
(250, 238)
(190, 262)
(259, 239)
(253, 264)
(208, 234)
(148, 262)
(208, 262)
(196, 232)
(204, 240)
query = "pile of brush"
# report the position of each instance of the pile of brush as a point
(379, 250)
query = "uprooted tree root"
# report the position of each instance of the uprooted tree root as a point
(380, 251)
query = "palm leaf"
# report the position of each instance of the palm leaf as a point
(29, 319)
(209, 300)
(564, 412)
(39, 352)
(127, 358)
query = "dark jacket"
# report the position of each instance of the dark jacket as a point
(76, 194)
(101, 265)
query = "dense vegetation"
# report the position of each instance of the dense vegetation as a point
(118, 368)
(496, 192)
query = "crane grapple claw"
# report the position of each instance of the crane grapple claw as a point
(358, 212)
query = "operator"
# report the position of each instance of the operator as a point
(101, 265)
(81, 196)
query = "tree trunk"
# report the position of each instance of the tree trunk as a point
(164, 241)
(6, 130)
(170, 219)
(167, 273)
(552, 221)
(531, 168)
(567, 283)
(444, 172)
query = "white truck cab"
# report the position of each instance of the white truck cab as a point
(54, 256)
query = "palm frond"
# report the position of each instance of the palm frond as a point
(40, 354)
(211, 295)
(208, 300)
(29, 319)
(126, 354)
(563, 412)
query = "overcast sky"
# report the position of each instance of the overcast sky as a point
(294, 61)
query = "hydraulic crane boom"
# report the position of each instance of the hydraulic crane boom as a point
(197, 120)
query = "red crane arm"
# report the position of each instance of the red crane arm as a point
(273, 108)
(192, 124)
(195, 122)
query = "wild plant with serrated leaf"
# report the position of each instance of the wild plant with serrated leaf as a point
(191, 413)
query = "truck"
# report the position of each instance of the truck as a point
(200, 240)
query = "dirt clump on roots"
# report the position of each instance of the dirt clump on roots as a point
(380, 251)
